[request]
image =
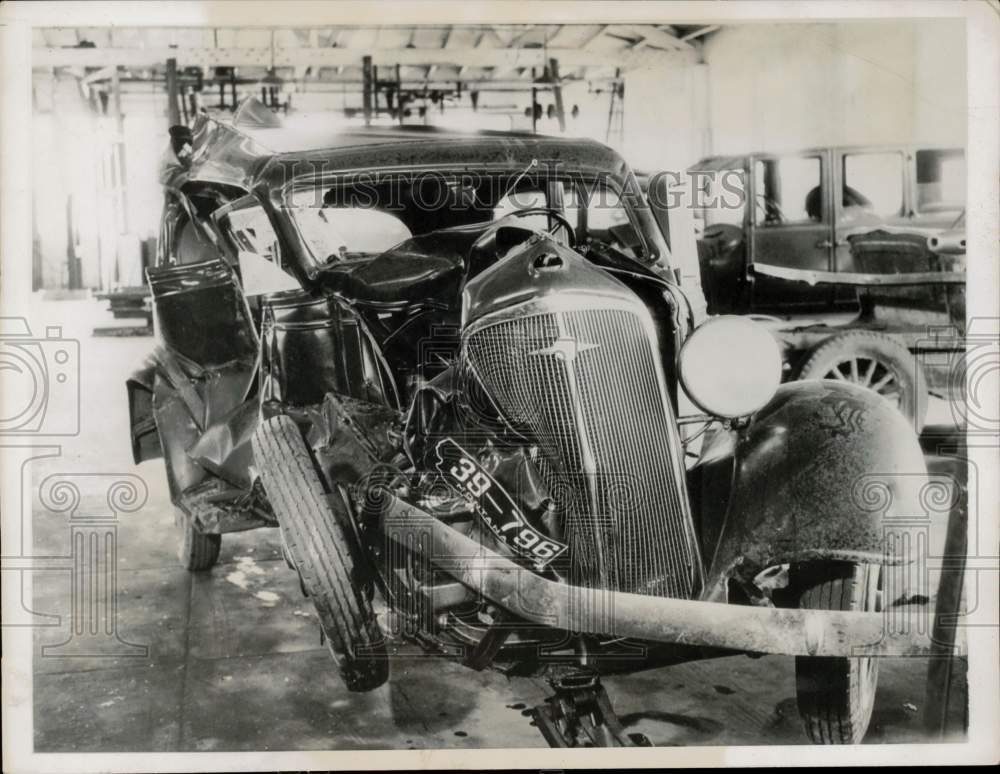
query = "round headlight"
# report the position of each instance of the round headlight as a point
(730, 366)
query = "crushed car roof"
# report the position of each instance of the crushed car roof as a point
(255, 146)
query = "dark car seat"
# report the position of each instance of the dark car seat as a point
(852, 198)
(814, 204)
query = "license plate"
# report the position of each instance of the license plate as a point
(494, 506)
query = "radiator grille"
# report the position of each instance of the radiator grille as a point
(584, 384)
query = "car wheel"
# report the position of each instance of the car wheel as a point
(877, 362)
(197, 550)
(836, 695)
(319, 548)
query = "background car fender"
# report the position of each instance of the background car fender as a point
(821, 472)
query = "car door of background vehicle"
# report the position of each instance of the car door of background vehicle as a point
(791, 225)
(872, 188)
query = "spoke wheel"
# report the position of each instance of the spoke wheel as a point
(876, 362)
(868, 372)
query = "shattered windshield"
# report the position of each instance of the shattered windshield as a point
(340, 232)
(367, 217)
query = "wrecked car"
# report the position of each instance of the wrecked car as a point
(797, 211)
(450, 369)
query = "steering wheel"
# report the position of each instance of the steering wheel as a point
(769, 209)
(561, 220)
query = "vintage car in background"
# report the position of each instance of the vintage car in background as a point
(909, 334)
(448, 368)
(798, 210)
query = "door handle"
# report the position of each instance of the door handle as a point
(823, 244)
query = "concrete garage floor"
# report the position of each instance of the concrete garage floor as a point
(234, 660)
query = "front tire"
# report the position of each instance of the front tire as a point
(836, 695)
(320, 549)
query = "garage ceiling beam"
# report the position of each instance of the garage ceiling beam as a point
(141, 88)
(700, 32)
(647, 36)
(339, 57)
(593, 40)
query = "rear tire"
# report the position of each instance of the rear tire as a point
(197, 550)
(836, 695)
(321, 552)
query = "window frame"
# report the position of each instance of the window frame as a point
(915, 207)
(247, 202)
(824, 188)
(905, 205)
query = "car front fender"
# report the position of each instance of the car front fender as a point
(144, 439)
(826, 471)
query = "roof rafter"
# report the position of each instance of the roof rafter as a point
(339, 57)
(647, 36)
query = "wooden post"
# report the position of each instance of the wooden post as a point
(557, 93)
(37, 274)
(611, 106)
(74, 280)
(120, 186)
(942, 665)
(366, 86)
(173, 109)
(399, 95)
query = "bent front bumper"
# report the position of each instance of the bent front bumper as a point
(655, 619)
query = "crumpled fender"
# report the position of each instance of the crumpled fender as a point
(144, 438)
(197, 418)
(224, 447)
(826, 471)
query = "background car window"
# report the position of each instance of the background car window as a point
(723, 195)
(788, 190)
(872, 185)
(940, 180)
(336, 233)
